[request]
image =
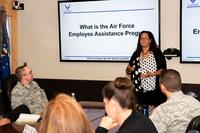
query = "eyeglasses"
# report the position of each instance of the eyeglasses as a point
(30, 73)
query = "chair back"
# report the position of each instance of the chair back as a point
(7, 86)
(194, 125)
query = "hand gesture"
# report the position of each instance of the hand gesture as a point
(129, 69)
(108, 123)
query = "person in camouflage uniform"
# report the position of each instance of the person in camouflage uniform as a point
(174, 115)
(28, 92)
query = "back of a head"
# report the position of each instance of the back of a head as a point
(121, 89)
(64, 115)
(19, 71)
(171, 79)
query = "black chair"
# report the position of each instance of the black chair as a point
(194, 125)
(7, 86)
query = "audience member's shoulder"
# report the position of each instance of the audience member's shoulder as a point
(34, 83)
(139, 115)
(17, 87)
(162, 105)
(146, 121)
(192, 99)
(161, 108)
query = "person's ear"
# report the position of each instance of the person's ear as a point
(162, 88)
(114, 102)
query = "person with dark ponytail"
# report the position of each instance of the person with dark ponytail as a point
(120, 106)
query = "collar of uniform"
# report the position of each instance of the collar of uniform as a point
(26, 86)
(176, 94)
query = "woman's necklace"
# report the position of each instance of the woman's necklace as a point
(144, 54)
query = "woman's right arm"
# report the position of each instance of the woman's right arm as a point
(129, 69)
(130, 66)
(106, 124)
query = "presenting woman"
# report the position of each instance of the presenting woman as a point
(145, 66)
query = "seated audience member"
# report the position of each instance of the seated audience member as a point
(14, 114)
(64, 115)
(119, 101)
(28, 92)
(174, 115)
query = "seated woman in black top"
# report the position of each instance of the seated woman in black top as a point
(120, 107)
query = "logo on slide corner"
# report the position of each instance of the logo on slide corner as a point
(193, 4)
(193, 1)
(67, 8)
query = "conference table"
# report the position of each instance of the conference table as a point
(10, 128)
(94, 110)
(16, 128)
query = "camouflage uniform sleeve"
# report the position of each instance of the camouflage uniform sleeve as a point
(43, 97)
(195, 108)
(16, 97)
(159, 120)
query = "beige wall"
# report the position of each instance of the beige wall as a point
(38, 44)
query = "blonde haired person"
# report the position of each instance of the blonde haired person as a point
(64, 115)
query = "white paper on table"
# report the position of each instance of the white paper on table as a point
(29, 129)
(28, 118)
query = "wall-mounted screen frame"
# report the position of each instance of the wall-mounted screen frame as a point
(104, 30)
(190, 31)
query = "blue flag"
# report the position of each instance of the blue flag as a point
(5, 61)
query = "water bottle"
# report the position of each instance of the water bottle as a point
(73, 95)
(146, 110)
